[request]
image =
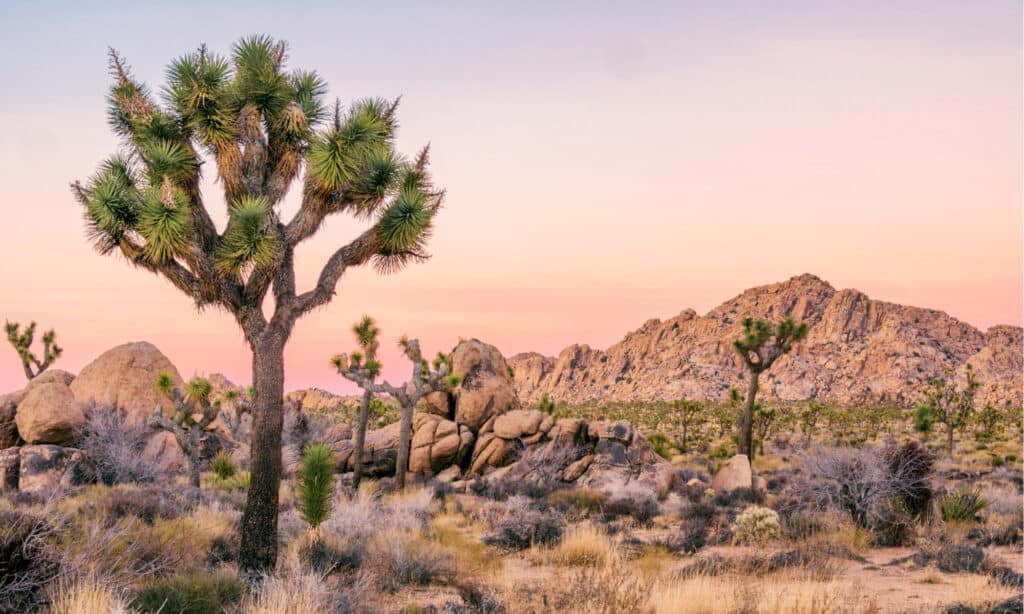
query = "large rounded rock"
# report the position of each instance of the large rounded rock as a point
(380, 452)
(49, 413)
(437, 444)
(125, 377)
(486, 389)
(735, 473)
(50, 376)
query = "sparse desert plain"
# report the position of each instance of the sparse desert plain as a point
(803, 447)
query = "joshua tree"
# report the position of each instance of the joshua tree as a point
(259, 126)
(809, 419)
(760, 346)
(424, 380)
(366, 333)
(193, 414)
(689, 413)
(241, 404)
(22, 343)
(950, 404)
(989, 418)
(546, 405)
(764, 420)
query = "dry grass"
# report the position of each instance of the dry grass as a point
(289, 594)
(86, 596)
(586, 544)
(742, 594)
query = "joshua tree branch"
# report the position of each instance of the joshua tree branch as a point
(361, 249)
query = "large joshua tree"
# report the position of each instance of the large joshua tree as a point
(362, 370)
(263, 128)
(759, 347)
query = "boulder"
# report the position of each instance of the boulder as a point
(50, 376)
(735, 473)
(437, 444)
(576, 468)
(490, 452)
(8, 427)
(125, 377)
(759, 484)
(569, 431)
(49, 413)
(451, 474)
(45, 467)
(486, 390)
(620, 431)
(439, 403)
(519, 423)
(380, 452)
(10, 466)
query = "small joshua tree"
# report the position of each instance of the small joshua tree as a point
(690, 413)
(241, 405)
(760, 346)
(809, 416)
(424, 381)
(989, 420)
(22, 343)
(315, 483)
(366, 333)
(950, 404)
(193, 414)
(764, 420)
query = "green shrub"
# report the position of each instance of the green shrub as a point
(923, 418)
(756, 524)
(546, 405)
(582, 499)
(222, 465)
(722, 451)
(237, 481)
(193, 593)
(662, 446)
(315, 483)
(997, 461)
(961, 505)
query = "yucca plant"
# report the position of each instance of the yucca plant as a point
(315, 483)
(193, 415)
(222, 465)
(426, 378)
(263, 128)
(759, 347)
(21, 341)
(961, 505)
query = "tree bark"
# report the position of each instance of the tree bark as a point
(404, 440)
(746, 434)
(684, 438)
(949, 439)
(258, 550)
(193, 456)
(364, 417)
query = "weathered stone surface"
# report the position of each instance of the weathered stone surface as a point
(45, 467)
(50, 376)
(437, 444)
(519, 423)
(569, 431)
(450, 474)
(735, 473)
(490, 452)
(759, 484)
(49, 413)
(576, 468)
(380, 452)
(486, 390)
(10, 467)
(125, 377)
(8, 427)
(621, 431)
(857, 351)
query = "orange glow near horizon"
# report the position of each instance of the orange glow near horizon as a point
(617, 168)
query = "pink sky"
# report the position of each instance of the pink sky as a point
(601, 169)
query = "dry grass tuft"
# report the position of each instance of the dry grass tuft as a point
(587, 545)
(86, 596)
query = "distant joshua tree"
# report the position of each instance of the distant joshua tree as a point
(760, 346)
(22, 343)
(261, 128)
(366, 333)
(689, 413)
(424, 380)
(950, 404)
(193, 414)
(546, 405)
(241, 405)
(809, 416)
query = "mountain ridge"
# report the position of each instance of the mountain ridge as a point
(858, 350)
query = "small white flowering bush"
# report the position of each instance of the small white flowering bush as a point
(756, 524)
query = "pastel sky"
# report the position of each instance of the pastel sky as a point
(605, 163)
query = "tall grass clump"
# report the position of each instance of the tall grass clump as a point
(961, 505)
(316, 483)
(222, 465)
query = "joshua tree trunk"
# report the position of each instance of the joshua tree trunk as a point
(684, 438)
(404, 443)
(259, 528)
(364, 417)
(949, 439)
(747, 421)
(193, 457)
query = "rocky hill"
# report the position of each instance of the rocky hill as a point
(858, 350)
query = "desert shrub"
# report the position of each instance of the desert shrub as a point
(526, 526)
(27, 565)
(662, 445)
(756, 524)
(895, 525)
(145, 503)
(1002, 531)
(326, 554)
(581, 499)
(222, 465)
(238, 481)
(722, 451)
(800, 525)
(192, 593)
(861, 482)
(691, 537)
(923, 418)
(298, 591)
(952, 558)
(400, 558)
(639, 505)
(961, 505)
(738, 497)
(113, 444)
(588, 589)
(911, 466)
(315, 483)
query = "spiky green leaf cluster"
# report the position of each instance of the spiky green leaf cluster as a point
(315, 483)
(198, 87)
(198, 389)
(164, 222)
(250, 238)
(356, 145)
(164, 382)
(404, 223)
(113, 204)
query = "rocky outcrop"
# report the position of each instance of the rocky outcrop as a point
(10, 467)
(49, 413)
(734, 473)
(45, 467)
(858, 351)
(438, 444)
(125, 377)
(8, 427)
(486, 390)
